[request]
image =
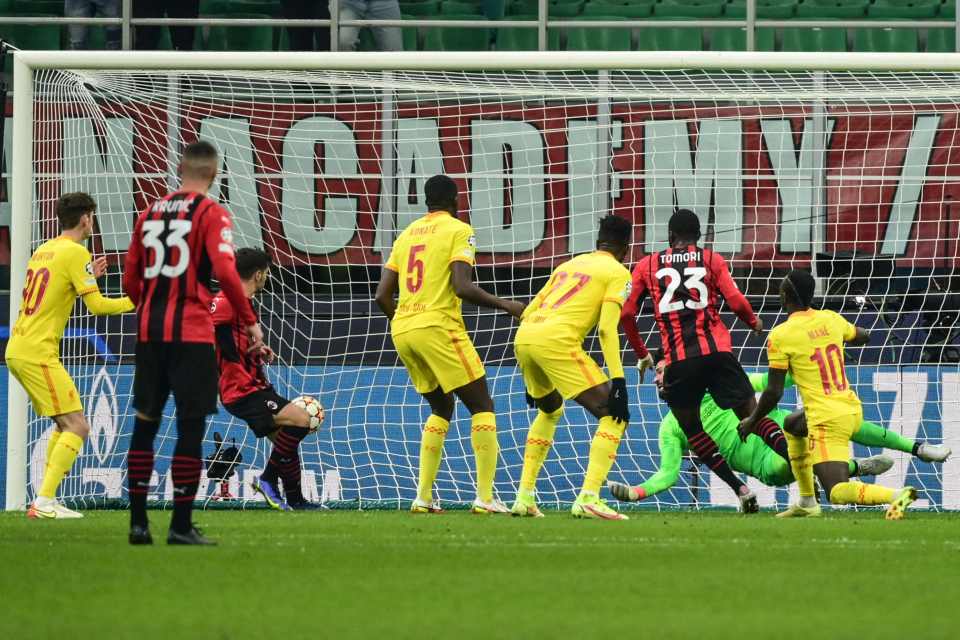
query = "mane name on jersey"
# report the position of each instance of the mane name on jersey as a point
(679, 257)
(171, 206)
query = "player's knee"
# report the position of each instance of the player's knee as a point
(796, 425)
(76, 424)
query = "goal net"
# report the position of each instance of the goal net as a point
(852, 175)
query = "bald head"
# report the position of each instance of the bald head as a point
(200, 162)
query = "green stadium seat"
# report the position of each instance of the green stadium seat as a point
(886, 40)
(941, 40)
(804, 39)
(255, 38)
(635, 11)
(460, 8)
(671, 39)
(558, 10)
(851, 9)
(689, 9)
(523, 7)
(735, 39)
(33, 36)
(521, 39)
(422, 8)
(53, 8)
(586, 39)
(948, 10)
(903, 9)
(766, 9)
(457, 39)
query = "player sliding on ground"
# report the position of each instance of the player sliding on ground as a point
(755, 457)
(686, 283)
(247, 394)
(59, 272)
(809, 345)
(582, 293)
(432, 265)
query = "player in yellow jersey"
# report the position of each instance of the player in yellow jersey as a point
(585, 292)
(432, 265)
(59, 271)
(809, 345)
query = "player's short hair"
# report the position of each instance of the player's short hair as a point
(615, 230)
(657, 356)
(441, 192)
(249, 261)
(685, 225)
(198, 159)
(799, 287)
(72, 206)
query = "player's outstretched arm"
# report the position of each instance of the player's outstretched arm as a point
(386, 290)
(461, 277)
(99, 305)
(734, 297)
(628, 315)
(861, 337)
(671, 459)
(768, 401)
(609, 336)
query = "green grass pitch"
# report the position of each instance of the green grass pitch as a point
(348, 574)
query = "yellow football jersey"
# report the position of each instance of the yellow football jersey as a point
(568, 306)
(58, 272)
(810, 345)
(421, 256)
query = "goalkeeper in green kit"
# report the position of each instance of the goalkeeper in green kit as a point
(762, 457)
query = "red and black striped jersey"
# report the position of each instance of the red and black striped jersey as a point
(179, 244)
(241, 372)
(685, 286)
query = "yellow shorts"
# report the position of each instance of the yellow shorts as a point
(830, 441)
(435, 356)
(570, 371)
(49, 386)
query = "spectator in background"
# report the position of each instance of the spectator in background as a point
(181, 37)
(387, 38)
(91, 9)
(307, 38)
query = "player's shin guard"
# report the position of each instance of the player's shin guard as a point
(707, 452)
(431, 451)
(54, 438)
(773, 437)
(539, 441)
(603, 451)
(483, 437)
(140, 468)
(58, 464)
(800, 465)
(285, 458)
(185, 470)
(860, 493)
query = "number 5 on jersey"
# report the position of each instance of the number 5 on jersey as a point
(176, 233)
(415, 268)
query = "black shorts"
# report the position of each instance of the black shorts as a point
(258, 410)
(188, 369)
(685, 382)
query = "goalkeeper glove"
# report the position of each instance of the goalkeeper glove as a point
(617, 400)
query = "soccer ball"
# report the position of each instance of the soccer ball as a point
(313, 408)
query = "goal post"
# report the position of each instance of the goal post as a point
(844, 164)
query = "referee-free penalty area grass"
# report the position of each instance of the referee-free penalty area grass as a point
(348, 574)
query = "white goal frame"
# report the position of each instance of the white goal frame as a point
(25, 63)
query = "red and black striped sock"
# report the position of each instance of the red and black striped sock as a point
(285, 458)
(185, 471)
(773, 437)
(706, 450)
(140, 468)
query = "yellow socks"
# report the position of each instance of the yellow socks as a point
(860, 493)
(603, 451)
(539, 441)
(431, 451)
(59, 461)
(483, 437)
(54, 438)
(800, 465)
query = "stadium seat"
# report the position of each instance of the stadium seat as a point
(689, 9)
(521, 39)
(941, 40)
(457, 39)
(53, 8)
(460, 8)
(522, 7)
(635, 11)
(735, 39)
(33, 36)
(766, 9)
(948, 10)
(586, 39)
(256, 38)
(816, 39)
(671, 39)
(423, 8)
(851, 9)
(903, 9)
(561, 9)
(886, 40)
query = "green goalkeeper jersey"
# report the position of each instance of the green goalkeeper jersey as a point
(752, 457)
